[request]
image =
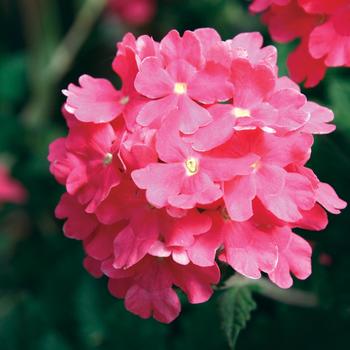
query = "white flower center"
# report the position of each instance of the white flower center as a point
(124, 100)
(191, 166)
(180, 88)
(108, 158)
(240, 112)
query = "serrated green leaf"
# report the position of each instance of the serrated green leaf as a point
(236, 305)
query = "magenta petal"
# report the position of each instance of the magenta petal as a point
(100, 245)
(238, 196)
(329, 199)
(210, 85)
(191, 115)
(270, 179)
(79, 224)
(160, 181)
(188, 48)
(294, 256)
(154, 112)
(224, 169)
(249, 250)
(196, 281)
(95, 101)
(161, 83)
(217, 132)
(298, 194)
(133, 243)
(163, 305)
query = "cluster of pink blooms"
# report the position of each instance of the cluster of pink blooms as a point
(10, 189)
(136, 12)
(323, 27)
(198, 158)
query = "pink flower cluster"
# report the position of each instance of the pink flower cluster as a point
(10, 189)
(198, 158)
(323, 27)
(136, 12)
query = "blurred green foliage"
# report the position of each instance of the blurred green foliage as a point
(47, 300)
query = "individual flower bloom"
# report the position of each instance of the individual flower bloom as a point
(321, 26)
(330, 41)
(134, 12)
(185, 177)
(182, 84)
(259, 101)
(147, 287)
(95, 100)
(90, 164)
(252, 86)
(269, 181)
(289, 22)
(10, 190)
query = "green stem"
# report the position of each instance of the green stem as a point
(43, 89)
(291, 296)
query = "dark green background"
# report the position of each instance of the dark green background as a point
(47, 300)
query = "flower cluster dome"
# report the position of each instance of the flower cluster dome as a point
(323, 27)
(198, 158)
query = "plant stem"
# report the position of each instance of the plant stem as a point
(293, 296)
(43, 89)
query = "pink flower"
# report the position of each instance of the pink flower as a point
(10, 189)
(180, 84)
(147, 287)
(87, 155)
(199, 158)
(95, 101)
(135, 12)
(322, 27)
(186, 177)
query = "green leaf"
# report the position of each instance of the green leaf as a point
(236, 305)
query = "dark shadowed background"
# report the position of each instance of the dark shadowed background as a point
(47, 300)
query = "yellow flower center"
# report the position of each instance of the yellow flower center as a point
(108, 158)
(240, 112)
(124, 100)
(191, 166)
(256, 165)
(180, 88)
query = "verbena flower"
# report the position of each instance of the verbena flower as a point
(322, 26)
(199, 158)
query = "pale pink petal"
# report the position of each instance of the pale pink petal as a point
(161, 83)
(329, 199)
(160, 181)
(249, 250)
(95, 101)
(238, 196)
